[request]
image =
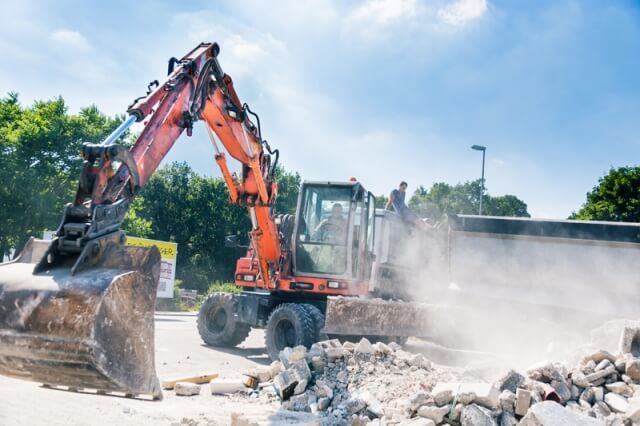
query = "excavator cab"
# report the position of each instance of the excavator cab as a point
(334, 233)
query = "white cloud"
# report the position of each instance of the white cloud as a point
(69, 39)
(383, 12)
(461, 12)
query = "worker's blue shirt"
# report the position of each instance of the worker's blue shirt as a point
(398, 202)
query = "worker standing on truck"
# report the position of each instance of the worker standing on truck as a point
(396, 199)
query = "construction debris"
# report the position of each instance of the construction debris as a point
(379, 384)
(187, 389)
(170, 384)
(227, 385)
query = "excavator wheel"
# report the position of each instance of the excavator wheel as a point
(318, 320)
(289, 325)
(217, 324)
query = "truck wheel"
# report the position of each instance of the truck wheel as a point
(289, 325)
(217, 324)
(318, 320)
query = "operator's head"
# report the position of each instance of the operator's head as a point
(403, 186)
(336, 210)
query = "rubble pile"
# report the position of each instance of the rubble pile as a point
(367, 383)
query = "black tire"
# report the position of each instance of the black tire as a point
(318, 320)
(217, 324)
(289, 325)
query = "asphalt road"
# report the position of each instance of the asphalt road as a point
(179, 352)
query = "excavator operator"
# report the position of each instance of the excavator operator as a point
(334, 228)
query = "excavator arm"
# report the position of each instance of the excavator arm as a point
(83, 316)
(197, 89)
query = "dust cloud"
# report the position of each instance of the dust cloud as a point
(520, 299)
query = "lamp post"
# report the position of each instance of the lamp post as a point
(484, 150)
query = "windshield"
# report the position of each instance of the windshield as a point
(322, 231)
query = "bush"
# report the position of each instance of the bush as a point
(223, 287)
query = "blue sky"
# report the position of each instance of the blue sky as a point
(379, 89)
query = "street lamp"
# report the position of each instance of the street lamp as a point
(484, 150)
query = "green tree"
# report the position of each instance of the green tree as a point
(381, 201)
(288, 190)
(616, 197)
(443, 199)
(505, 205)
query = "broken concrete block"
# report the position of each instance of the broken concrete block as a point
(262, 373)
(442, 397)
(487, 394)
(394, 346)
(283, 356)
(300, 387)
(318, 364)
(633, 409)
(598, 356)
(549, 413)
(297, 353)
(365, 347)
(547, 371)
(630, 340)
(632, 369)
(334, 353)
(323, 403)
(598, 375)
(465, 398)
(381, 348)
(601, 410)
(297, 403)
(315, 350)
(562, 390)
(187, 389)
(510, 381)
(579, 379)
(323, 391)
(275, 368)
(507, 419)
(616, 402)
(523, 400)
(420, 421)
(434, 413)
(419, 399)
(285, 383)
(348, 346)
(621, 388)
(603, 364)
(474, 415)
(226, 385)
(507, 401)
(418, 360)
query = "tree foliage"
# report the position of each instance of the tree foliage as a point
(616, 197)
(443, 199)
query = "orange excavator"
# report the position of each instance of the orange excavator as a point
(78, 311)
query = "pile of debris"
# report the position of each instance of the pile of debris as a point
(379, 384)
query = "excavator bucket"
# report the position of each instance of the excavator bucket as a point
(90, 330)
(353, 316)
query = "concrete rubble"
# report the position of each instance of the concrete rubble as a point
(362, 383)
